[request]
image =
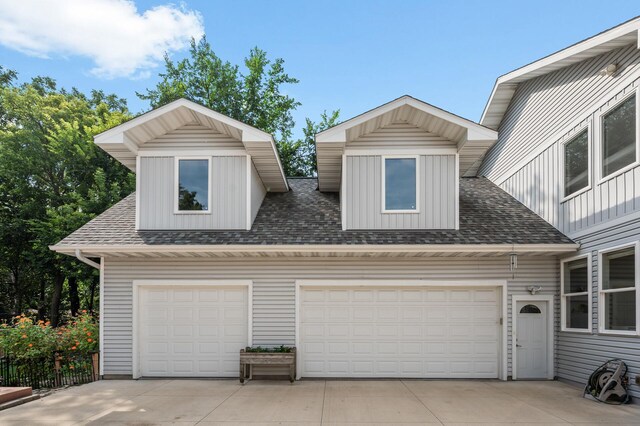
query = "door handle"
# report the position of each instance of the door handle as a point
(518, 346)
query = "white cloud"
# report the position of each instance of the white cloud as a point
(121, 41)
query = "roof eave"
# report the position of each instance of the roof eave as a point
(501, 249)
(631, 27)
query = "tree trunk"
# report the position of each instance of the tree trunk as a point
(74, 299)
(56, 296)
(42, 314)
(92, 296)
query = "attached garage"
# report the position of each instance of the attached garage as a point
(190, 330)
(411, 331)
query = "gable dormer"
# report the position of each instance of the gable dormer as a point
(398, 165)
(195, 168)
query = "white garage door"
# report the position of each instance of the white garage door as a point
(400, 332)
(191, 331)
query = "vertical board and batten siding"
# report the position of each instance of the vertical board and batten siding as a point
(193, 137)
(527, 162)
(538, 184)
(228, 186)
(274, 288)
(543, 107)
(437, 196)
(258, 192)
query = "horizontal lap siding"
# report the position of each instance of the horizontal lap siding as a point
(274, 287)
(437, 198)
(228, 177)
(400, 136)
(579, 354)
(193, 137)
(274, 312)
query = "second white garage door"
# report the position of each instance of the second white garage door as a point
(191, 331)
(399, 332)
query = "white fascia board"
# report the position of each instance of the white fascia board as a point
(256, 134)
(338, 133)
(346, 248)
(119, 138)
(521, 74)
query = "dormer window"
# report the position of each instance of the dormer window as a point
(192, 185)
(400, 184)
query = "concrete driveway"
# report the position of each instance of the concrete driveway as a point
(315, 402)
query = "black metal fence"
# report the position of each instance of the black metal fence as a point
(59, 369)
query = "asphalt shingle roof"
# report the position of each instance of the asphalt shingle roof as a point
(305, 216)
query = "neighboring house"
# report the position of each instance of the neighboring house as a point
(398, 260)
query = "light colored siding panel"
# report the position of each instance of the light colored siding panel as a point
(400, 136)
(228, 195)
(192, 137)
(437, 196)
(538, 184)
(274, 313)
(543, 106)
(527, 163)
(258, 192)
(274, 287)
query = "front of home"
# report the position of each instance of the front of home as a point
(412, 254)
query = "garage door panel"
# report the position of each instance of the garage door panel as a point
(192, 331)
(396, 332)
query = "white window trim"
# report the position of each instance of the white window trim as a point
(589, 158)
(383, 186)
(600, 117)
(589, 293)
(602, 292)
(176, 185)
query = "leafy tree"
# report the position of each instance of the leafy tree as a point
(253, 95)
(53, 179)
(302, 152)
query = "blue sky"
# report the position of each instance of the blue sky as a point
(351, 55)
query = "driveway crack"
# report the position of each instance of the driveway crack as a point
(221, 402)
(421, 402)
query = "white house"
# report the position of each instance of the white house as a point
(429, 246)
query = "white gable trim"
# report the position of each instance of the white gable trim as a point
(338, 133)
(506, 84)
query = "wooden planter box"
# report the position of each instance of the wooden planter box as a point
(249, 359)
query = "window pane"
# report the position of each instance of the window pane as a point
(193, 181)
(576, 163)
(619, 137)
(618, 269)
(400, 183)
(576, 276)
(620, 310)
(577, 312)
(530, 309)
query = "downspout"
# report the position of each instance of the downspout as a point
(100, 267)
(89, 262)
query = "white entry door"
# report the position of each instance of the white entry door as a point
(408, 332)
(191, 331)
(532, 340)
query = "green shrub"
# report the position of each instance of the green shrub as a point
(25, 338)
(79, 335)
